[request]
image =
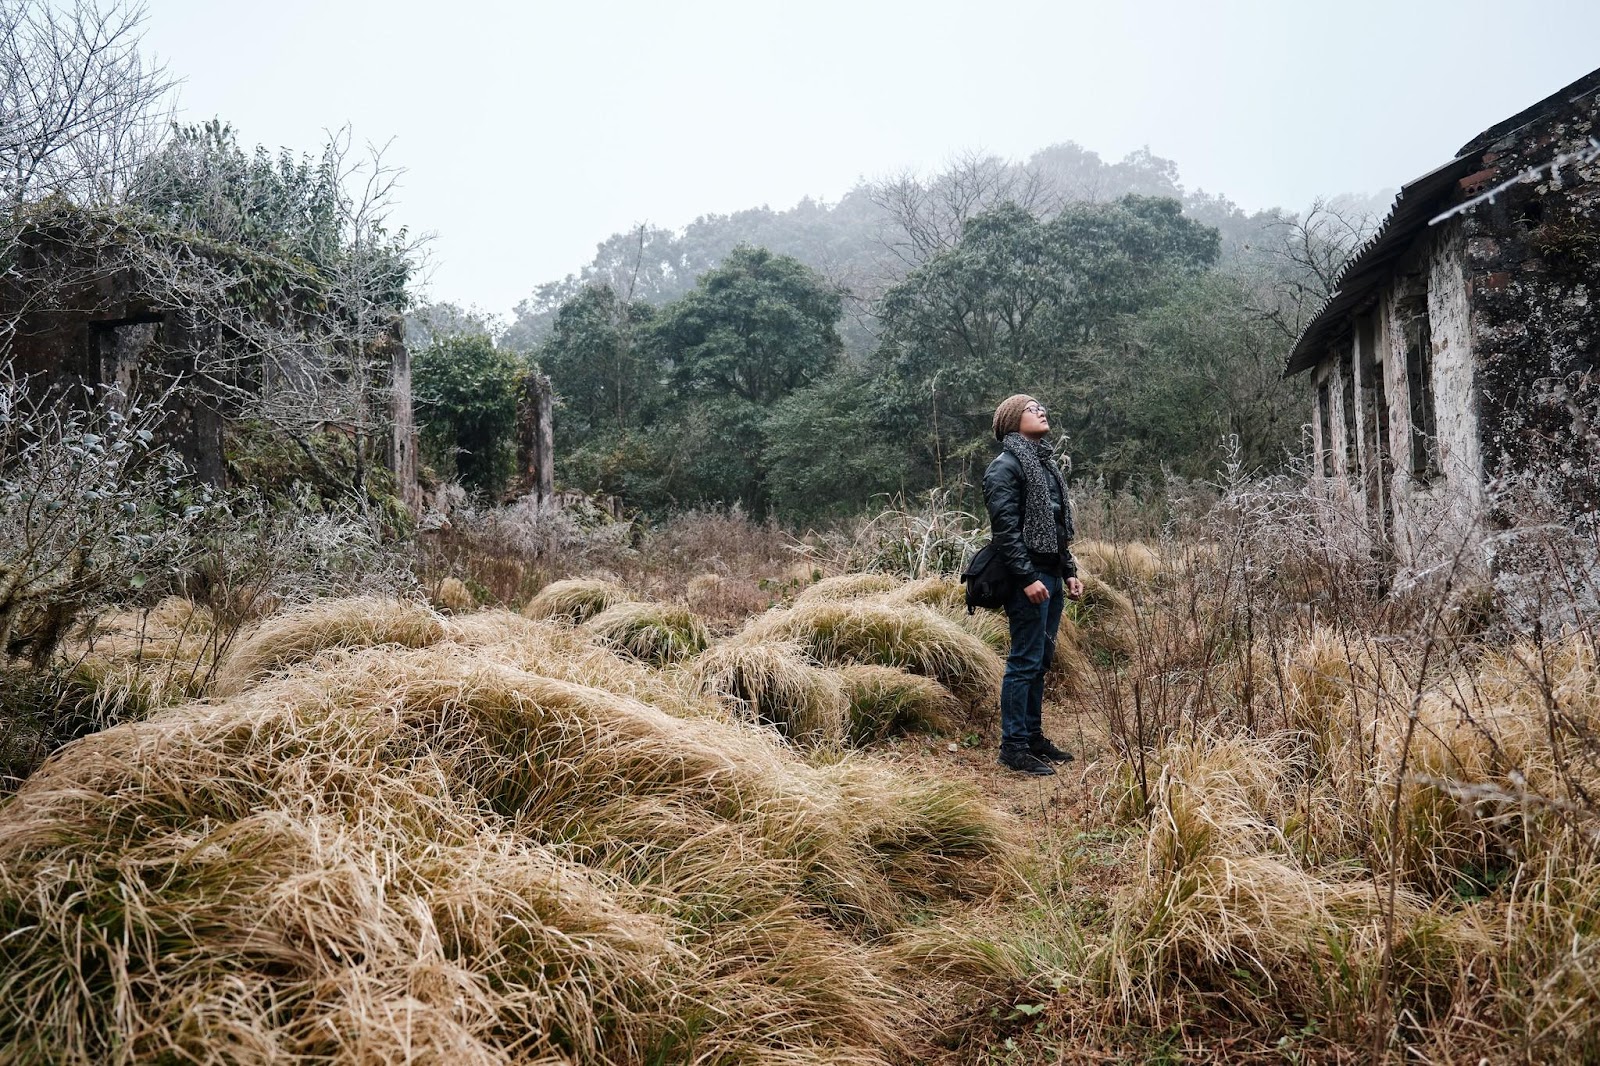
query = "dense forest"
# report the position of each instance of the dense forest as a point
(801, 362)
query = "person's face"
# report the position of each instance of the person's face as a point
(1035, 420)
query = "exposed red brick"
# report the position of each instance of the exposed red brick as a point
(1482, 177)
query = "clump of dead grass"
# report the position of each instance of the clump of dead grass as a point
(777, 683)
(656, 633)
(883, 700)
(848, 587)
(909, 636)
(294, 636)
(451, 594)
(430, 854)
(1230, 911)
(575, 599)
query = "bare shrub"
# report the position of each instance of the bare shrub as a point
(913, 538)
(92, 510)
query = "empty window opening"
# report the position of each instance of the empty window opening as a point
(1347, 400)
(1419, 391)
(1325, 428)
(1375, 424)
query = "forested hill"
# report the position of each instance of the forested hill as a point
(860, 242)
(801, 362)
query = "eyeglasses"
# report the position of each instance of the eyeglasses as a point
(1036, 409)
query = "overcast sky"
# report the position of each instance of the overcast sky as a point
(530, 131)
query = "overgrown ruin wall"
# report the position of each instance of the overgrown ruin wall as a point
(75, 312)
(1408, 464)
(1535, 309)
(1483, 366)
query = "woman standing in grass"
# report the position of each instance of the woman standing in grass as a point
(1031, 519)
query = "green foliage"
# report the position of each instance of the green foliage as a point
(605, 375)
(203, 182)
(668, 408)
(1201, 368)
(1025, 304)
(828, 449)
(466, 391)
(757, 327)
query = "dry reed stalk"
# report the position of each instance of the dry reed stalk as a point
(1106, 618)
(1229, 908)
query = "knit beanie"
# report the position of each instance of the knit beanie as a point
(1008, 416)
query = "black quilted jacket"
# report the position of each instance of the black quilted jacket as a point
(1005, 493)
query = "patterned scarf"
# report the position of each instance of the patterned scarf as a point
(1038, 522)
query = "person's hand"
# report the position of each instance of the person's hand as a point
(1036, 592)
(1074, 589)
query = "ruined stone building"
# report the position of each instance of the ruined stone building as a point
(1461, 346)
(94, 299)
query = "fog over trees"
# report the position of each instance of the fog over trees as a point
(1151, 317)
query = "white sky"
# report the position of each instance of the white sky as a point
(531, 131)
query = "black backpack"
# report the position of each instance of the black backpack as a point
(989, 583)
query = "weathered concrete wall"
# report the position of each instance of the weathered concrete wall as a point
(1534, 284)
(1419, 506)
(76, 311)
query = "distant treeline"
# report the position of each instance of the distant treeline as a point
(800, 362)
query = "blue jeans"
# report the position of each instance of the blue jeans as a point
(1033, 644)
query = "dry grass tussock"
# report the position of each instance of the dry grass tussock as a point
(451, 594)
(1232, 914)
(777, 683)
(884, 700)
(575, 599)
(656, 633)
(294, 636)
(450, 853)
(910, 636)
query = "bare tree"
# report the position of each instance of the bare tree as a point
(924, 217)
(79, 104)
(1313, 251)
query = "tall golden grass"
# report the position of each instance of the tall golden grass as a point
(438, 853)
(394, 835)
(909, 636)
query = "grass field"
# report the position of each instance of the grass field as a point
(662, 823)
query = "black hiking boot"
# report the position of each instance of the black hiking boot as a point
(1025, 762)
(1045, 748)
